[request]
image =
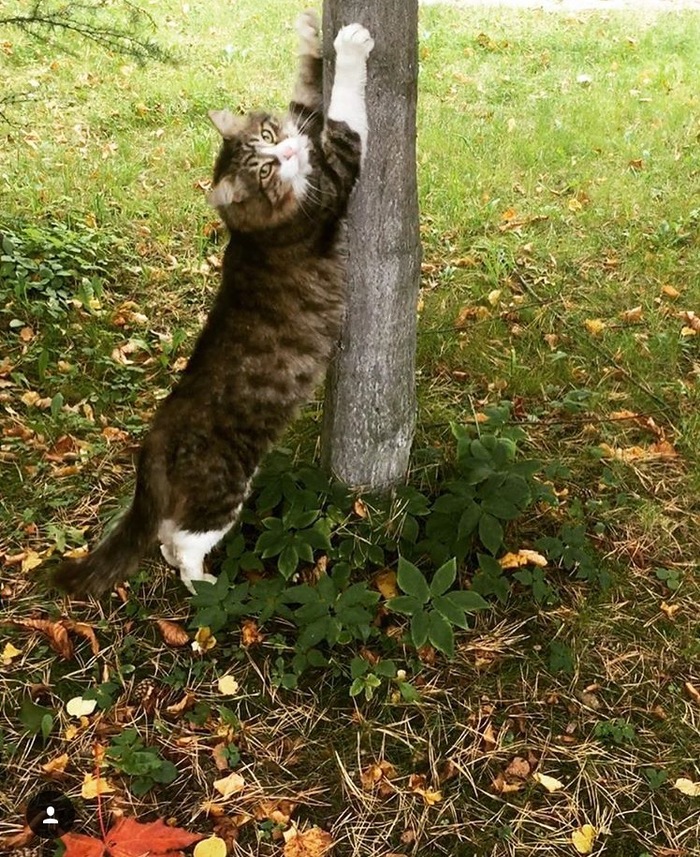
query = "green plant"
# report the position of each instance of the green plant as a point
(433, 609)
(671, 577)
(615, 731)
(128, 755)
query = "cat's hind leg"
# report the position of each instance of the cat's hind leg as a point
(186, 550)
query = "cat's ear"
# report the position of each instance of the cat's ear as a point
(226, 123)
(226, 192)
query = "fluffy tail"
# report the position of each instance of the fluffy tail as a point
(117, 556)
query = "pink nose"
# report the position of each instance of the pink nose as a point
(287, 152)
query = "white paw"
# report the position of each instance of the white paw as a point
(308, 28)
(354, 38)
(168, 556)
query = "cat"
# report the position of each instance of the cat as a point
(281, 185)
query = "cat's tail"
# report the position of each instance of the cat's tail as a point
(117, 556)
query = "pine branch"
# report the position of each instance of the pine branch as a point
(95, 21)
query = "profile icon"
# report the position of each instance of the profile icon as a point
(50, 814)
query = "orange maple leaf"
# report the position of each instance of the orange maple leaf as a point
(130, 838)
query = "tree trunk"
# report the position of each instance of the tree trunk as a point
(370, 406)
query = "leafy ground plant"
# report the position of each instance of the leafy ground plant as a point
(561, 265)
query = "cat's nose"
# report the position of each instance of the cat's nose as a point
(286, 152)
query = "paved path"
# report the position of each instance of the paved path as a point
(578, 5)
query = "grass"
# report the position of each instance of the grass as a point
(552, 205)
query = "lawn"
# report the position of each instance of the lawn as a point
(559, 163)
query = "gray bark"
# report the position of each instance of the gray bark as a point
(370, 407)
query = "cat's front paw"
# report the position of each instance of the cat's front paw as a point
(308, 28)
(355, 40)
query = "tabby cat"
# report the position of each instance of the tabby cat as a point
(281, 185)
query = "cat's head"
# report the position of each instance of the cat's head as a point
(261, 174)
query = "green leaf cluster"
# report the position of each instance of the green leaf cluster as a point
(128, 755)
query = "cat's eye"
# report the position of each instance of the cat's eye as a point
(267, 136)
(265, 170)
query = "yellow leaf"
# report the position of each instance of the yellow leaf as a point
(494, 296)
(230, 785)
(212, 847)
(550, 783)
(92, 787)
(385, 582)
(70, 733)
(687, 787)
(79, 707)
(688, 331)
(57, 765)
(594, 326)
(31, 560)
(583, 838)
(311, 843)
(30, 398)
(522, 557)
(228, 686)
(670, 292)
(204, 640)
(8, 653)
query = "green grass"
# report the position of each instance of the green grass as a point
(547, 202)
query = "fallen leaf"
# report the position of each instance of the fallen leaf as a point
(55, 632)
(177, 708)
(670, 292)
(230, 785)
(594, 326)
(417, 783)
(212, 847)
(311, 843)
(377, 776)
(692, 692)
(57, 765)
(93, 786)
(79, 845)
(359, 507)
(501, 785)
(228, 686)
(687, 787)
(250, 633)
(31, 560)
(385, 582)
(669, 610)
(79, 707)
(522, 557)
(172, 633)
(488, 737)
(583, 838)
(9, 653)
(83, 630)
(518, 768)
(17, 840)
(632, 316)
(204, 640)
(550, 783)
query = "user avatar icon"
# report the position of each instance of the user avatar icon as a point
(50, 813)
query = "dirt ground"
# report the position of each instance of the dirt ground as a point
(579, 5)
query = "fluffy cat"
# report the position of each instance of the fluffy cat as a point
(281, 185)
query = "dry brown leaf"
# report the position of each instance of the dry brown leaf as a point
(17, 840)
(670, 292)
(377, 776)
(518, 768)
(172, 633)
(488, 738)
(311, 843)
(502, 787)
(220, 756)
(55, 632)
(178, 708)
(692, 692)
(359, 507)
(632, 316)
(83, 630)
(417, 783)
(250, 633)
